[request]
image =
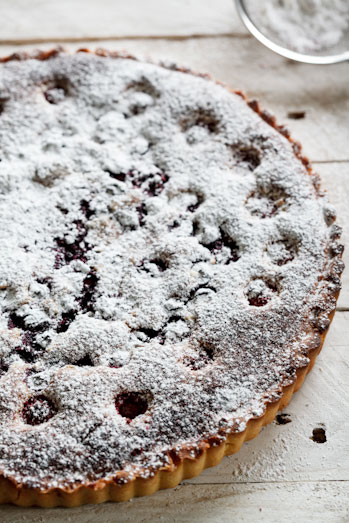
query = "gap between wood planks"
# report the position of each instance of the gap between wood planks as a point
(82, 38)
(289, 482)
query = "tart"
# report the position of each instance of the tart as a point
(169, 268)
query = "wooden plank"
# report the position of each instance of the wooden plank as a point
(323, 502)
(281, 86)
(78, 19)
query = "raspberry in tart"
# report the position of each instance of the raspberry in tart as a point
(169, 268)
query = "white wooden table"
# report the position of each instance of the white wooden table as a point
(283, 475)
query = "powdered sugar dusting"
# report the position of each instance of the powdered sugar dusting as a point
(161, 246)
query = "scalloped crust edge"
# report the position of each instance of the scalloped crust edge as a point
(209, 453)
(187, 467)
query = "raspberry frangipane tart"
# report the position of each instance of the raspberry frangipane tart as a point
(169, 267)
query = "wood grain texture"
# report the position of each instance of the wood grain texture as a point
(323, 502)
(79, 19)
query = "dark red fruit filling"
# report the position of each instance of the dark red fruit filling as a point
(193, 207)
(30, 345)
(224, 241)
(142, 212)
(121, 177)
(27, 354)
(29, 348)
(151, 184)
(152, 333)
(3, 368)
(16, 322)
(173, 319)
(89, 286)
(160, 334)
(66, 319)
(260, 296)
(86, 301)
(86, 209)
(137, 179)
(136, 452)
(131, 404)
(66, 252)
(156, 187)
(29, 371)
(259, 301)
(77, 250)
(85, 361)
(207, 353)
(37, 410)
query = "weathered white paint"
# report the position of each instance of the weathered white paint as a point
(279, 502)
(79, 19)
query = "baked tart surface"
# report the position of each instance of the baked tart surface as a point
(169, 267)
